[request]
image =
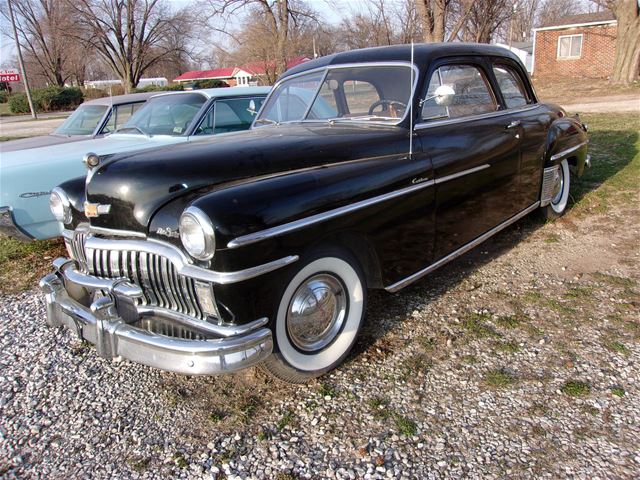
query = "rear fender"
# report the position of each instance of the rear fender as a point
(567, 139)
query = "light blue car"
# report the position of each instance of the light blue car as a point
(27, 176)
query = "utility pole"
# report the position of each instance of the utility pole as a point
(21, 62)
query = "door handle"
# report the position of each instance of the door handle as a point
(514, 124)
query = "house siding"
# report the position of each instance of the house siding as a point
(597, 58)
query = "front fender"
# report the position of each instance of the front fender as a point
(567, 139)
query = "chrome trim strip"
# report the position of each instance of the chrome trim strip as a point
(116, 233)
(183, 263)
(461, 174)
(336, 212)
(464, 249)
(211, 328)
(321, 217)
(566, 152)
(497, 113)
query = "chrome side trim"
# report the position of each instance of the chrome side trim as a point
(464, 249)
(336, 212)
(461, 174)
(497, 113)
(566, 152)
(321, 217)
(182, 262)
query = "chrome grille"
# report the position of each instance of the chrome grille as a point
(161, 284)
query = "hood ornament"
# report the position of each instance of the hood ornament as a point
(92, 210)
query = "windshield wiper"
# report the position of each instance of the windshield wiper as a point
(267, 121)
(133, 127)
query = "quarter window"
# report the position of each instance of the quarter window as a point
(472, 95)
(570, 46)
(511, 86)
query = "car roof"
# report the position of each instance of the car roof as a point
(223, 92)
(120, 99)
(423, 54)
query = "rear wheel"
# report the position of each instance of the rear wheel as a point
(318, 317)
(560, 199)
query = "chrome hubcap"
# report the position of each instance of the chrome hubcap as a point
(558, 185)
(316, 313)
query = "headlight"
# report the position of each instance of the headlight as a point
(60, 205)
(196, 234)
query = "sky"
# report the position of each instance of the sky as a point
(331, 10)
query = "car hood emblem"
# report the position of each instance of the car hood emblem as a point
(95, 209)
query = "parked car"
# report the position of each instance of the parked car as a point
(261, 247)
(92, 119)
(27, 176)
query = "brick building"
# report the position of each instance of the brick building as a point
(576, 46)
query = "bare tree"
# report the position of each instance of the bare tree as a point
(41, 26)
(627, 63)
(443, 19)
(276, 18)
(551, 11)
(131, 36)
(485, 18)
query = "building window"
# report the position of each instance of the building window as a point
(570, 46)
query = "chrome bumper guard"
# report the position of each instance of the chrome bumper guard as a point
(103, 323)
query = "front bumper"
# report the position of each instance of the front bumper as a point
(112, 322)
(8, 227)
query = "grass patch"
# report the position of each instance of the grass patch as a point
(552, 238)
(22, 264)
(580, 292)
(614, 280)
(287, 418)
(618, 391)
(417, 364)
(509, 321)
(617, 347)
(327, 390)
(380, 407)
(500, 378)
(405, 426)
(576, 388)
(508, 347)
(475, 325)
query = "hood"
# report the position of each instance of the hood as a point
(41, 141)
(47, 156)
(136, 185)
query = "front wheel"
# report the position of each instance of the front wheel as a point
(560, 199)
(318, 318)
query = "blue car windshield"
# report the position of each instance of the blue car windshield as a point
(379, 93)
(170, 114)
(83, 121)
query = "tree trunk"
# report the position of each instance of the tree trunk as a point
(432, 15)
(627, 63)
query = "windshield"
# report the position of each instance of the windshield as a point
(83, 121)
(165, 115)
(358, 93)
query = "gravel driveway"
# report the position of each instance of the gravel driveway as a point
(521, 359)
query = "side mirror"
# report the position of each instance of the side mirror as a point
(444, 95)
(252, 107)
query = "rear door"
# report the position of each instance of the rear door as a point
(474, 150)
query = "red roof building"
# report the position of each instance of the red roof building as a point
(244, 75)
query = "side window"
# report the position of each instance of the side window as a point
(511, 86)
(360, 96)
(472, 95)
(230, 115)
(119, 116)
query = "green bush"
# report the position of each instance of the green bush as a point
(159, 88)
(4, 96)
(209, 84)
(18, 103)
(47, 99)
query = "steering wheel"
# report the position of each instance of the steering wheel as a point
(390, 105)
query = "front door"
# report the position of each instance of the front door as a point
(475, 155)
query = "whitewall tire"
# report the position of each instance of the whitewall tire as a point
(318, 318)
(560, 198)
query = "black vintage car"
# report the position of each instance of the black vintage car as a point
(364, 169)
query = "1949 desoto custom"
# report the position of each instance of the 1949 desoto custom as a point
(365, 169)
